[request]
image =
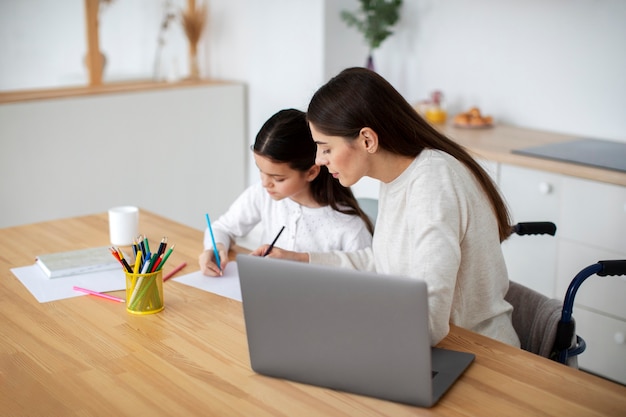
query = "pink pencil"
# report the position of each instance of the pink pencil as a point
(174, 271)
(99, 294)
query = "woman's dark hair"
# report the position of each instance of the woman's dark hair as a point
(358, 98)
(285, 138)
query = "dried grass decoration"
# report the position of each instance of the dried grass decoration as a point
(193, 21)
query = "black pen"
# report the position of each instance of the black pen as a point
(267, 252)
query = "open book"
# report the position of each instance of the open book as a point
(80, 261)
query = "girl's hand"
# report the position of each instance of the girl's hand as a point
(279, 253)
(208, 266)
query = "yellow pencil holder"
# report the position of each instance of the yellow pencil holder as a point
(144, 293)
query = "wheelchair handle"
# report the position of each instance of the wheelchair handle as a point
(535, 228)
(616, 267)
(602, 268)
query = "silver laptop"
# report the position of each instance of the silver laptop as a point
(348, 330)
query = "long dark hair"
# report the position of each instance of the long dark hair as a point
(285, 138)
(358, 98)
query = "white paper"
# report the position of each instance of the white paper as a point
(227, 285)
(45, 289)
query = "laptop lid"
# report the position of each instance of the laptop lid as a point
(348, 330)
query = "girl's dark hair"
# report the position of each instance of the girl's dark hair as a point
(285, 138)
(358, 98)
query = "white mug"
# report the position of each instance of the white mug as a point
(123, 225)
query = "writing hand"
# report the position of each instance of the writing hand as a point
(208, 266)
(279, 253)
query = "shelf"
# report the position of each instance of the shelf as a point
(118, 87)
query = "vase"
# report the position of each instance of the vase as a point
(101, 61)
(194, 72)
(194, 67)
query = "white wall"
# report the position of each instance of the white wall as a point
(557, 65)
(275, 46)
(283, 49)
(31, 33)
(43, 43)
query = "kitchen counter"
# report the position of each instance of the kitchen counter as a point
(498, 142)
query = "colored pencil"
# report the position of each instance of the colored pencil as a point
(217, 255)
(162, 245)
(120, 257)
(146, 265)
(145, 241)
(99, 294)
(137, 262)
(155, 265)
(174, 271)
(167, 255)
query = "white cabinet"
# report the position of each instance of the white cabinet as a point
(593, 219)
(606, 344)
(531, 196)
(591, 226)
(603, 294)
(176, 150)
(594, 213)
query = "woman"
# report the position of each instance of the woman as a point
(317, 213)
(440, 217)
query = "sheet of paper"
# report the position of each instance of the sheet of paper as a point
(45, 289)
(227, 285)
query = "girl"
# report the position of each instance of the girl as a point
(318, 213)
(440, 217)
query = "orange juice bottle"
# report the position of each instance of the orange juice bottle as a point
(436, 112)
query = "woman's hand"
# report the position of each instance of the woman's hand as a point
(279, 253)
(208, 265)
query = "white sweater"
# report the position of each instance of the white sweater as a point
(435, 223)
(306, 229)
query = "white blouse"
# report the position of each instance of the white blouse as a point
(306, 229)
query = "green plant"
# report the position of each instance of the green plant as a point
(374, 20)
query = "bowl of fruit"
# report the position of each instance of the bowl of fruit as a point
(472, 119)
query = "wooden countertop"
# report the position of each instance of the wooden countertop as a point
(86, 356)
(498, 142)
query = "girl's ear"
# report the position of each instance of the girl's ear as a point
(312, 173)
(369, 139)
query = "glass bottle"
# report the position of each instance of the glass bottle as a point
(436, 112)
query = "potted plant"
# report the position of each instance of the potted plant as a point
(374, 20)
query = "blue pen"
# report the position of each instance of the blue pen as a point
(217, 255)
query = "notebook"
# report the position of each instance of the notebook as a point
(81, 261)
(348, 330)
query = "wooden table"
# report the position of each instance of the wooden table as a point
(87, 356)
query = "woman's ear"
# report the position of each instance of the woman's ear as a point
(369, 139)
(312, 173)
